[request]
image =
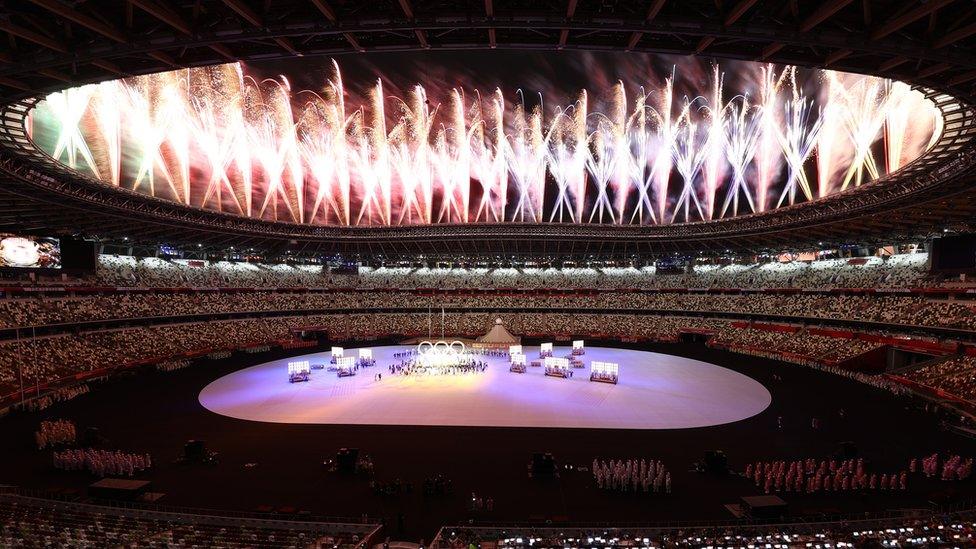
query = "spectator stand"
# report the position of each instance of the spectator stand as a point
(29, 518)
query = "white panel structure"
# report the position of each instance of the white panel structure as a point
(578, 344)
(346, 366)
(299, 367)
(338, 352)
(514, 349)
(299, 370)
(545, 348)
(557, 367)
(556, 362)
(606, 372)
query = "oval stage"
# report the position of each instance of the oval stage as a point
(655, 391)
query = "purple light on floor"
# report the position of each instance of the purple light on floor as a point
(656, 391)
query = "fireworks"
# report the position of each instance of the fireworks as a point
(214, 138)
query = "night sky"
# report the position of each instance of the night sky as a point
(559, 76)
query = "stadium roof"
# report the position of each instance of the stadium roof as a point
(53, 44)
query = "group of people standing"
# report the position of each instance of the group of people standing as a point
(809, 476)
(415, 366)
(632, 475)
(102, 462)
(954, 467)
(55, 433)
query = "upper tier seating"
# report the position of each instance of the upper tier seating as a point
(871, 272)
(956, 376)
(908, 310)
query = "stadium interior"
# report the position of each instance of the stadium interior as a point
(506, 273)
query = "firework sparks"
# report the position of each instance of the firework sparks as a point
(215, 138)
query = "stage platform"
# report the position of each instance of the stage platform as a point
(656, 391)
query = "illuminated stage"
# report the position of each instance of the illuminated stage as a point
(655, 391)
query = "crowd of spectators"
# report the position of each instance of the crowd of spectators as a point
(797, 344)
(261, 288)
(45, 359)
(56, 432)
(379, 302)
(101, 463)
(895, 271)
(888, 309)
(876, 381)
(61, 394)
(173, 365)
(955, 375)
(128, 271)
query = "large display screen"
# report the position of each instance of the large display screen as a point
(670, 266)
(78, 255)
(954, 253)
(29, 252)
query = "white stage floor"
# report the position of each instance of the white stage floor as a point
(656, 391)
